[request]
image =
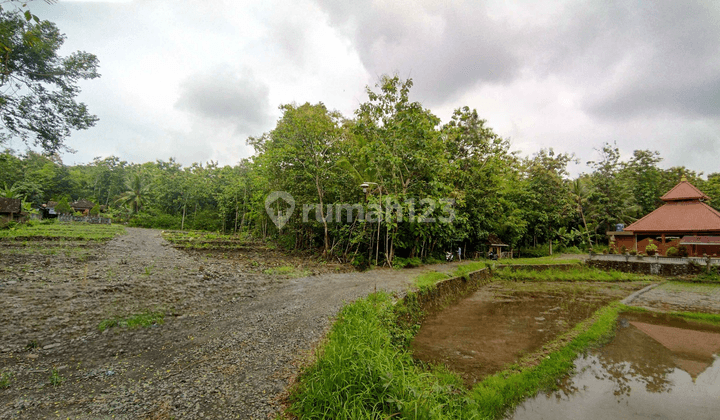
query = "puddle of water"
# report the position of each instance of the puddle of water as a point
(655, 368)
(480, 334)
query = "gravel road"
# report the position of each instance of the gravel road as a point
(227, 351)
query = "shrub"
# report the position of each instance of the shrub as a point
(623, 249)
(95, 210)
(672, 252)
(62, 207)
(399, 262)
(535, 252)
(651, 248)
(162, 221)
(682, 251)
(632, 252)
(612, 251)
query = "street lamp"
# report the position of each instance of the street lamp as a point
(365, 185)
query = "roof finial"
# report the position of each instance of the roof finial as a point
(683, 179)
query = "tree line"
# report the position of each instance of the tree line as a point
(392, 157)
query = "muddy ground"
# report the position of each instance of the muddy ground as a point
(497, 325)
(231, 340)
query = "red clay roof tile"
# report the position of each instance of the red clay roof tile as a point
(679, 216)
(684, 191)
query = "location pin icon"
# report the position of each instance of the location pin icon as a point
(281, 217)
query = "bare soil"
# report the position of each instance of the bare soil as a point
(231, 340)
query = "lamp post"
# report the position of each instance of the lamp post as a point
(365, 187)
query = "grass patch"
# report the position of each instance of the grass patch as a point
(574, 274)
(144, 319)
(5, 379)
(76, 231)
(712, 319)
(365, 371)
(430, 278)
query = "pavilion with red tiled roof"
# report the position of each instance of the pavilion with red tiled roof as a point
(684, 220)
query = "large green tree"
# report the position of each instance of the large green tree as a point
(38, 87)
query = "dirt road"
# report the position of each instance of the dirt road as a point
(226, 351)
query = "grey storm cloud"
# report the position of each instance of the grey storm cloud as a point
(625, 57)
(228, 96)
(444, 47)
(667, 60)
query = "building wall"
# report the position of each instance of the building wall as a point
(644, 240)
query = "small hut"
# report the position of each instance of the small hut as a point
(10, 208)
(496, 247)
(83, 206)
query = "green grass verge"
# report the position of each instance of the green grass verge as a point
(144, 319)
(430, 278)
(713, 319)
(365, 371)
(574, 274)
(70, 231)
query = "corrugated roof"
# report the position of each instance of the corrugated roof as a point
(700, 240)
(684, 191)
(679, 216)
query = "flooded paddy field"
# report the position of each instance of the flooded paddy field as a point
(657, 367)
(504, 321)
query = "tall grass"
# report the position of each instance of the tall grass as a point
(365, 371)
(573, 274)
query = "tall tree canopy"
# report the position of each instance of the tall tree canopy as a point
(38, 87)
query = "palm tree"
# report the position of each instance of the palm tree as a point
(134, 194)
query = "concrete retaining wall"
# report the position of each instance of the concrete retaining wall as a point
(85, 219)
(648, 267)
(451, 290)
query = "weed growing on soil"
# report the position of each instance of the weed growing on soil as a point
(364, 371)
(430, 278)
(575, 274)
(5, 378)
(144, 319)
(55, 378)
(286, 271)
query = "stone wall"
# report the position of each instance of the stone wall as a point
(85, 219)
(649, 267)
(539, 267)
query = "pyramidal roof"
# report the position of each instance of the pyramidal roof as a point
(683, 211)
(684, 191)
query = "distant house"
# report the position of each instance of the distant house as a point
(47, 211)
(10, 208)
(685, 219)
(83, 206)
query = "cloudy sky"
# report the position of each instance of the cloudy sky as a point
(193, 79)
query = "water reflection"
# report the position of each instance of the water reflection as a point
(656, 367)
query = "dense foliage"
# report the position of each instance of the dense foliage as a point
(38, 87)
(392, 157)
